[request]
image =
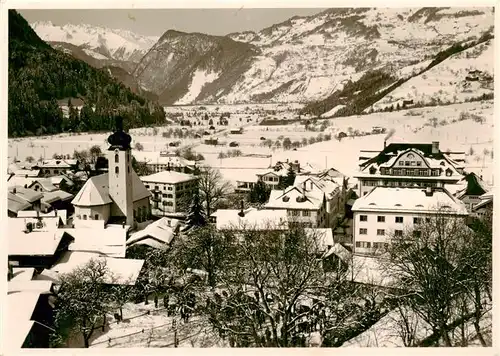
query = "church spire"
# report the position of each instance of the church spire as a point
(119, 139)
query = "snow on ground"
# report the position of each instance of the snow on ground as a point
(409, 125)
(447, 80)
(332, 112)
(94, 54)
(158, 330)
(200, 78)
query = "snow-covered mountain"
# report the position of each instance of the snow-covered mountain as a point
(304, 58)
(98, 42)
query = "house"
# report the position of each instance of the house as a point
(52, 196)
(211, 141)
(333, 190)
(236, 131)
(60, 215)
(485, 207)
(116, 196)
(54, 167)
(408, 165)
(37, 248)
(156, 235)
(303, 205)
(274, 175)
(24, 199)
(165, 161)
(474, 188)
(384, 212)
(251, 218)
(170, 191)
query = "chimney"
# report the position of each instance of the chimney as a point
(385, 144)
(428, 191)
(435, 147)
(14, 191)
(123, 225)
(55, 212)
(38, 213)
(304, 186)
(242, 207)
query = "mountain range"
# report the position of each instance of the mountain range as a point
(304, 59)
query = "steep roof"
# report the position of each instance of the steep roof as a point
(292, 198)
(394, 149)
(96, 191)
(109, 241)
(407, 199)
(161, 231)
(475, 186)
(16, 204)
(56, 195)
(46, 184)
(27, 194)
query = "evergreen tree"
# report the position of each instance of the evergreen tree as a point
(288, 180)
(259, 193)
(196, 215)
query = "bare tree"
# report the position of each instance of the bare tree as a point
(82, 301)
(441, 263)
(30, 159)
(139, 146)
(213, 188)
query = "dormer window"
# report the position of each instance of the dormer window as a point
(442, 163)
(373, 170)
(286, 199)
(448, 172)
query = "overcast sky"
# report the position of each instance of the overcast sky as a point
(156, 22)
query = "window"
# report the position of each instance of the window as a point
(117, 170)
(363, 244)
(417, 220)
(156, 187)
(84, 217)
(380, 218)
(380, 232)
(398, 233)
(419, 163)
(427, 220)
(305, 213)
(170, 196)
(116, 158)
(363, 218)
(164, 195)
(169, 188)
(295, 212)
(363, 231)
(147, 186)
(417, 233)
(399, 219)
(407, 163)
(401, 163)
(358, 243)
(96, 217)
(128, 169)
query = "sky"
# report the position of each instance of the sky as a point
(150, 22)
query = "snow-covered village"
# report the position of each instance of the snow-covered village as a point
(323, 179)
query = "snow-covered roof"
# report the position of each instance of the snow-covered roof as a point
(19, 309)
(324, 236)
(229, 219)
(37, 243)
(339, 251)
(109, 242)
(471, 184)
(159, 158)
(168, 177)
(41, 287)
(96, 191)
(46, 184)
(57, 163)
(120, 270)
(27, 173)
(16, 204)
(56, 195)
(22, 273)
(370, 270)
(292, 198)
(157, 234)
(29, 195)
(483, 203)
(327, 185)
(408, 199)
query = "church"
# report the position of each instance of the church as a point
(119, 196)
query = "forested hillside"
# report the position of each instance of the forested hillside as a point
(39, 76)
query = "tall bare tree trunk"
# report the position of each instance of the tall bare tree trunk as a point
(477, 317)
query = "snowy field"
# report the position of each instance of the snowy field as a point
(411, 125)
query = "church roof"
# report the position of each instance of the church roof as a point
(96, 191)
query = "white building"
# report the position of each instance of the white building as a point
(164, 161)
(409, 165)
(171, 191)
(117, 195)
(387, 211)
(304, 204)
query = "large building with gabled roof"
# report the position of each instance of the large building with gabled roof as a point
(409, 165)
(116, 196)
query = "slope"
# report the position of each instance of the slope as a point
(40, 75)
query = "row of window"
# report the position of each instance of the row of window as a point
(397, 183)
(397, 233)
(184, 186)
(413, 172)
(410, 163)
(298, 212)
(397, 219)
(375, 245)
(117, 170)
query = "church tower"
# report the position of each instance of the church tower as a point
(120, 173)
